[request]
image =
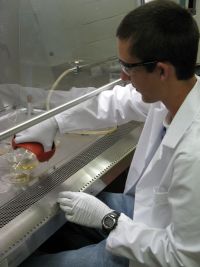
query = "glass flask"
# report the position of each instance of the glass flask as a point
(21, 163)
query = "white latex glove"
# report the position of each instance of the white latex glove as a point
(82, 208)
(43, 133)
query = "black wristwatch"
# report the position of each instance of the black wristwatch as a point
(109, 221)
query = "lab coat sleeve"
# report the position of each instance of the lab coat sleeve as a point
(109, 109)
(176, 245)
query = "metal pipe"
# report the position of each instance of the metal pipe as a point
(92, 64)
(78, 67)
(55, 111)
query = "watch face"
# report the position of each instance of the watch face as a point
(109, 222)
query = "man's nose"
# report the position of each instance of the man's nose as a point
(124, 76)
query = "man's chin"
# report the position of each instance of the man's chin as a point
(148, 100)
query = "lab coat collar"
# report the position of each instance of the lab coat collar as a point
(184, 117)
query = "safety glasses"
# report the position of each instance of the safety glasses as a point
(127, 67)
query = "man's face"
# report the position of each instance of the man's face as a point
(146, 83)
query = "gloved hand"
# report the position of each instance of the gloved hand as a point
(82, 208)
(43, 133)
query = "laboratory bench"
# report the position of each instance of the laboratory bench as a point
(29, 213)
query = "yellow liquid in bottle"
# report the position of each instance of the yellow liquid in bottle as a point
(26, 165)
(20, 178)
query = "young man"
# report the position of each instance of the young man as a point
(157, 46)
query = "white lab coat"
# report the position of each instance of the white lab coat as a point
(165, 230)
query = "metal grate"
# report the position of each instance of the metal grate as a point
(35, 192)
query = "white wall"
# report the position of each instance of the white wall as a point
(79, 29)
(41, 34)
(35, 69)
(9, 41)
(197, 17)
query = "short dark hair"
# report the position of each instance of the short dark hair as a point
(162, 30)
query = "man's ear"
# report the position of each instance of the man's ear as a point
(163, 70)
